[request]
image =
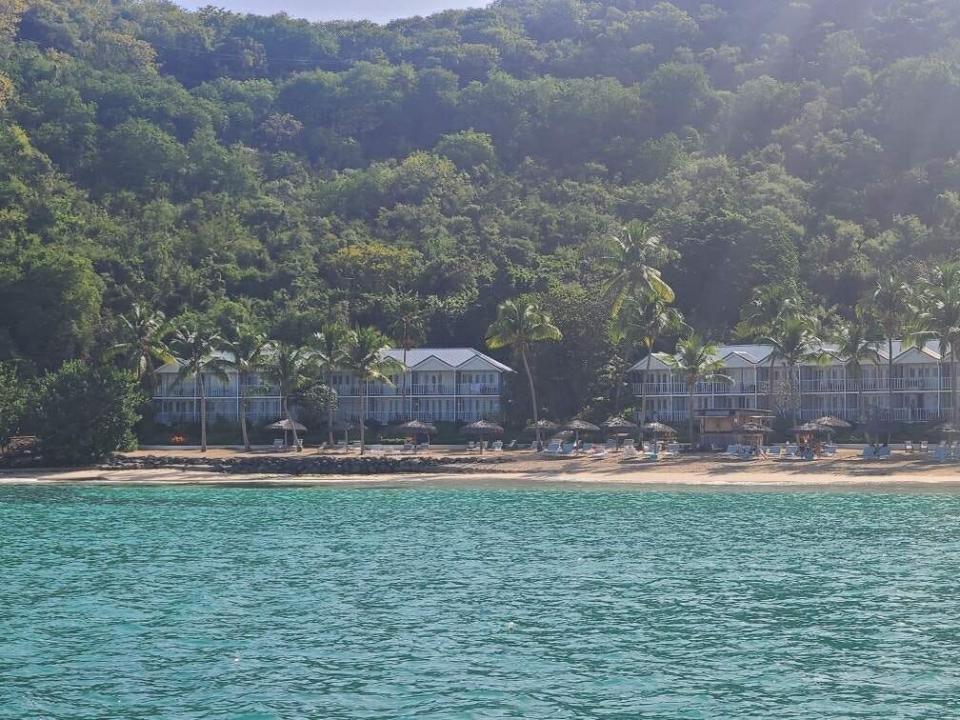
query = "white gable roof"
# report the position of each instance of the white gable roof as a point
(450, 358)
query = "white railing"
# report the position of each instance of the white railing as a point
(897, 414)
(475, 389)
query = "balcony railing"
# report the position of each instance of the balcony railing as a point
(897, 414)
(475, 389)
(828, 385)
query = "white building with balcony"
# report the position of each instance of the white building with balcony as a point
(439, 384)
(920, 382)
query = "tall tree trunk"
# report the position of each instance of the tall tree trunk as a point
(690, 389)
(533, 395)
(363, 417)
(954, 395)
(203, 415)
(890, 376)
(403, 386)
(643, 394)
(770, 384)
(799, 380)
(293, 424)
(792, 389)
(330, 439)
(243, 414)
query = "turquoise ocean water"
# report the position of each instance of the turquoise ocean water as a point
(477, 603)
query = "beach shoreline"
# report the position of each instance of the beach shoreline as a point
(529, 470)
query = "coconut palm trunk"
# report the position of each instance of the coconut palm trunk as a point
(243, 414)
(533, 395)
(646, 379)
(890, 375)
(796, 392)
(331, 441)
(203, 413)
(403, 386)
(770, 394)
(954, 395)
(363, 417)
(293, 424)
(691, 386)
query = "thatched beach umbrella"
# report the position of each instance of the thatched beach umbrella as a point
(657, 429)
(286, 425)
(947, 428)
(753, 430)
(617, 422)
(540, 427)
(832, 422)
(418, 426)
(346, 428)
(481, 428)
(578, 426)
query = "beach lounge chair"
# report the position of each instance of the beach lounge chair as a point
(940, 453)
(830, 450)
(731, 451)
(908, 446)
(924, 446)
(471, 445)
(673, 448)
(775, 451)
(869, 452)
(884, 452)
(497, 446)
(554, 447)
(630, 453)
(512, 445)
(278, 444)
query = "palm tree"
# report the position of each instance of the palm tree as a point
(856, 345)
(794, 342)
(643, 321)
(145, 330)
(293, 370)
(767, 305)
(196, 349)
(696, 360)
(890, 303)
(637, 253)
(331, 346)
(939, 317)
(520, 324)
(409, 317)
(246, 357)
(366, 356)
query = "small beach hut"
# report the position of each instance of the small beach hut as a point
(578, 426)
(482, 428)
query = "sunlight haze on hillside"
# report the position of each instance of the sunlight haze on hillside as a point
(376, 10)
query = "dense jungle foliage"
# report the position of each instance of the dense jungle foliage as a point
(275, 172)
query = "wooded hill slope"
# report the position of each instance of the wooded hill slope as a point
(272, 171)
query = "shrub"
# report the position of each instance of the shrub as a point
(84, 413)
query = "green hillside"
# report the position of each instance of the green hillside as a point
(274, 173)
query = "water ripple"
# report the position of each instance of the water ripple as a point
(486, 603)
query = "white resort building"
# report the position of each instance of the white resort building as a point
(442, 384)
(920, 382)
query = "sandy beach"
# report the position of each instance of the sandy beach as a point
(847, 470)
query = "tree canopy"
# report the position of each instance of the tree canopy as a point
(273, 171)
